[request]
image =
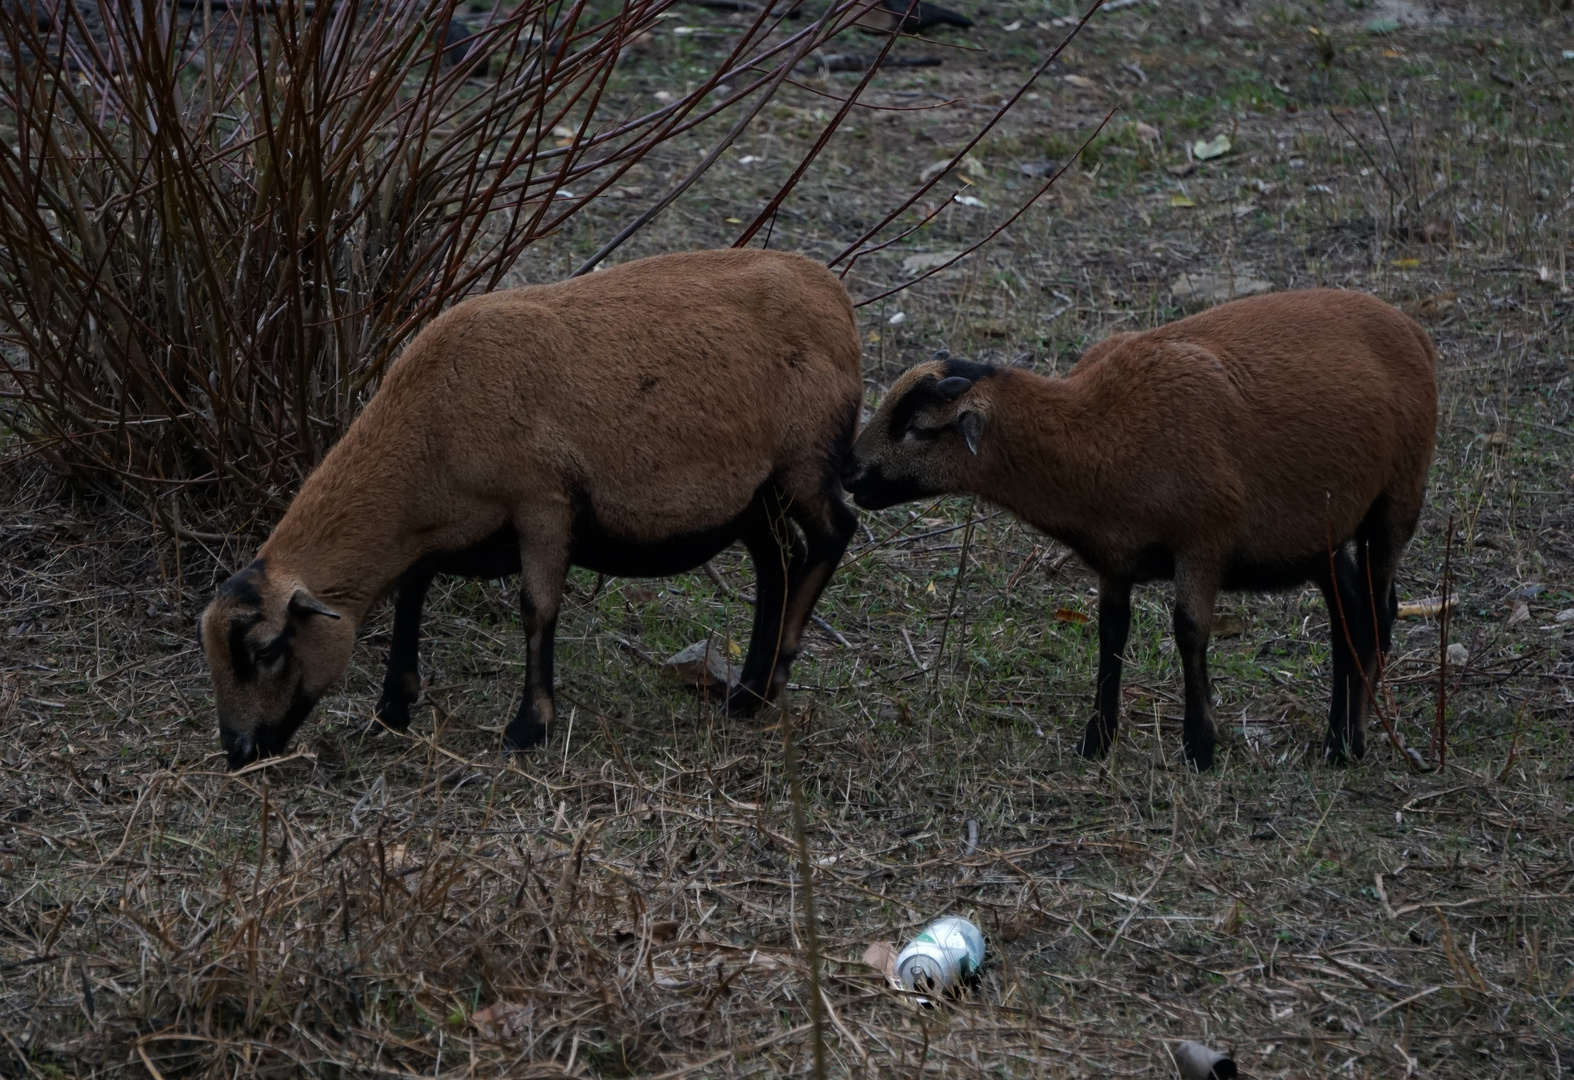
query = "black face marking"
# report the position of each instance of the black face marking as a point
(967, 369)
(926, 392)
(241, 748)
(874, 491)
(241, 661)
(241, 586)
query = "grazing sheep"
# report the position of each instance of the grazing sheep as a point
(1260, 445)
(636, 422)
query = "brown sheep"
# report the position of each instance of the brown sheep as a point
(636, 422)
(1236, 449)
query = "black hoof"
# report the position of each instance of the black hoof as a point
(742, 702)
(523, 734)
(393, 714)
(1199, 755)
(1334, 753)
(1094, 743)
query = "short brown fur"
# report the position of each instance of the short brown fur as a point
(635, 421)
(1235, 449)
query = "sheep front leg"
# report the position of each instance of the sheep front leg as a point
(543, 574)
(1114, 628)
(1194, 597)
(402, 679)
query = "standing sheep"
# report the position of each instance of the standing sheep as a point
(635, 422)
(1259, 445)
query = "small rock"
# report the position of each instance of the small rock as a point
(1214, 288)
(1565, 616)
(917, 264)
(1458, 655)
(703, 665)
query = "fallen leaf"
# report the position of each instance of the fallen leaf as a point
(882, 957)
(1407, 264)
(734, 221)
(1148, 133)
(1564, 616)
(1184, 168)
(968, 166)
(1382, 26)
(1071, 615)
(503, 1019)
(1206, 150)
(1458, 655)
(663, 931)
(563, 131)
(1520, 614)
(1432, 307)
(1012, 27)
(967, 200)
(1081, 82)
(1181, 200)
(1427, 608)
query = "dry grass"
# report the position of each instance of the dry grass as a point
(627, 901)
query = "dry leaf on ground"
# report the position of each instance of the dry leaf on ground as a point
(503, 1019)
(882, 957)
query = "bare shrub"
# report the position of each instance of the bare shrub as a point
(218, 225)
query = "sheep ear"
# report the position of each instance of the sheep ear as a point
(971, 425)
(954, 387)
(303, 604)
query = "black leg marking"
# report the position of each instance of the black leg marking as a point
(1199, 735)
(402, 679)
(774, 548)
(528, 729)
(1114, 628)
(1354, 639)
(828, 527)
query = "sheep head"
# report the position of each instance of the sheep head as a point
(272, 649)
(923, 438)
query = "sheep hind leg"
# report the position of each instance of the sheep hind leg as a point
(402, 678)
(544, 571)
(1114, 628)
(1194, 597)
(1367, 585)
(774, 547)
(828, 533)
(1354, 638)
